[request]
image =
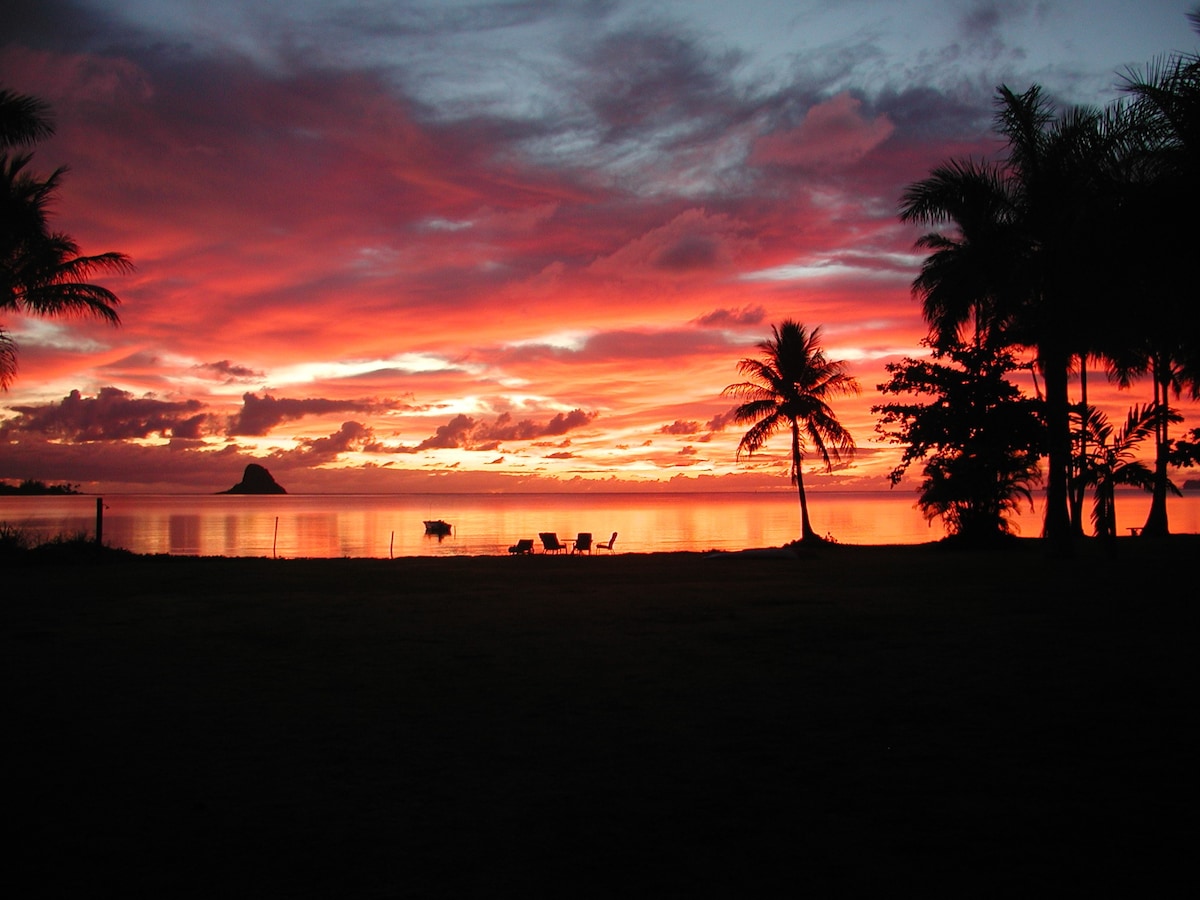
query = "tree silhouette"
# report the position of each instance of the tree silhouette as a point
(1110, 461)
(41, 270)
(790, 387)
(23, 120)
(980, 438)
(1165, 115)
(1185, 452)
(1031, 248)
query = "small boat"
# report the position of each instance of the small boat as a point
(438, 527)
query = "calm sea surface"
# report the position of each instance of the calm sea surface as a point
(329, 525)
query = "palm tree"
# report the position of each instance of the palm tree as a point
(41, 271)
(791, 387)
(1164, 358)
(1110, 462)
(1166, 111)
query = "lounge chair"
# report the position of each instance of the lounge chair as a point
(583, 543)
(551, 543)
(608, 545)
(525, 545)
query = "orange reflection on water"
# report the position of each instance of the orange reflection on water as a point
(376, 526)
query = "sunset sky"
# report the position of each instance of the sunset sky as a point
(443, 245)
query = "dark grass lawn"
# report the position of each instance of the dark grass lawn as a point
(861, 719)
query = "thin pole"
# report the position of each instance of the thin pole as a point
(391, 544)
(275, 540)
(99, 520)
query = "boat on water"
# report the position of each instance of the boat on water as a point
(438, 527)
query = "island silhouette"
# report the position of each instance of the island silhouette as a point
(256, 480)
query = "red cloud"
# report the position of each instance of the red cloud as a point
(693, 241)
(833, 135)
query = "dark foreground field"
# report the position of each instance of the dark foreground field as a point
(857, 720)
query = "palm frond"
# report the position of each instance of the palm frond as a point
(758, 434)
(23, 119)
(764, 373)
(1023, 119)
(753, 410)
(789, 385)
(829, 437)
(48, 279)
(72, 299)
(8, 359)
(957, 191)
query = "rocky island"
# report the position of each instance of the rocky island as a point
(256, 480)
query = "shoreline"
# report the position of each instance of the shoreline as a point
(858, 718)
(326, 527)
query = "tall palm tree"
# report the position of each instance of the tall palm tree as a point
(41, 271)
(790, 387)
(1166, 111)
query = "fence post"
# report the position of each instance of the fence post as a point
(99, 521)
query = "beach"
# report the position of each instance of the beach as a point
(848, 720)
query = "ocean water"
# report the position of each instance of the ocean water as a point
(337, 525)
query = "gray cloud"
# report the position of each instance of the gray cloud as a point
(230, 371)
(469, 433)
(719, 318)
(351, 436)
(680, 427)
(260, 414)
(112, 415)
(720, 421)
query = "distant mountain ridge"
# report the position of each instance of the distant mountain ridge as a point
(256, 480)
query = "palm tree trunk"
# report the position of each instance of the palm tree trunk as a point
(1106, 524)
(1156, 521)
(1077, 488)
(806, 529)
(1057, 526)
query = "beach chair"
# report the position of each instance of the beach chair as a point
(583, 543)
(551, 543)
(608, 545)
(525, 545)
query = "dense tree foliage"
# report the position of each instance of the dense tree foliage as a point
(978, 436)
(1185, 452)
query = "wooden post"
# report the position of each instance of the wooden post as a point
(275, 540)
(99, 521)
